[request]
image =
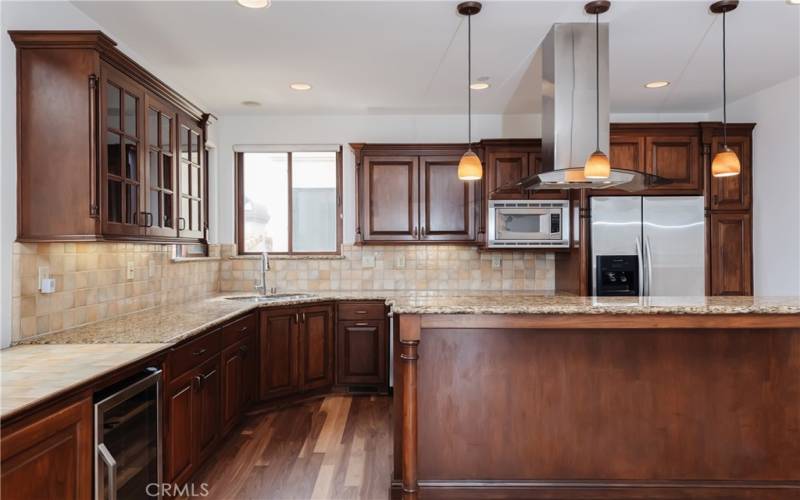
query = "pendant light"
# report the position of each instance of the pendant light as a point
(597, 166)
(469, 168)
(725, 163)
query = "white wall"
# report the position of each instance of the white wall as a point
(344, 129)
(26, 15)
(776, 184)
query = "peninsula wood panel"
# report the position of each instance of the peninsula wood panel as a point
(640, 405)
(447, 204)
(392, 198)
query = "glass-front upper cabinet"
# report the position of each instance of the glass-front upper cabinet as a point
(121, 175)
(191, 180)
(160, 214)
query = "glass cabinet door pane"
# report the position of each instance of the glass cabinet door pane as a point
(152, 127)
(167, 217)
(131, 160)
(195, 215)
(185, 178)
(131, 203)
(112, 106)
(154, 208)
(195, 186)
(113, 153)
(166, 132)
(166, 165)
(152, 160)
(185, 143)
(114, 201)
(184, 214)
(130, 114)
(195, 148)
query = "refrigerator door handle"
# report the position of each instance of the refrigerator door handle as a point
(649, 274)
(640, 263)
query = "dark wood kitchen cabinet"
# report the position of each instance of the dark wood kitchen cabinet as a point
(504, 169)
(296, 350)
(362, 346)
(49, 454)
(410, 193)
(447, 204)
(731, 253)
(627, 152)
(736, 192)
(98, 143)
(193, 408)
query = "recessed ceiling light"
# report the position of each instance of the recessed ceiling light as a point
(251, 104)
(479, 86)
(300, 86)
(657, 84)
(254, 4)
(793, 2)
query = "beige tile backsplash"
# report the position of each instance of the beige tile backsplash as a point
(92, 285)
(91, 281)
(418, 267)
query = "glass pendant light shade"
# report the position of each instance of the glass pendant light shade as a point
(725, 164)
(597, 166)
(470, 168)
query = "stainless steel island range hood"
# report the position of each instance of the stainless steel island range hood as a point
(570, 111)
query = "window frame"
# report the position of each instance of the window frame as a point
(239, 173)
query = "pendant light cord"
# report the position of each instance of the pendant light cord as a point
(469, 82)
(597, 72)
(724, 88)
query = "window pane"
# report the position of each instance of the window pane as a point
(266, 202)
(314, 202)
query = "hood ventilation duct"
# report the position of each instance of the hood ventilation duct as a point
(570, 108)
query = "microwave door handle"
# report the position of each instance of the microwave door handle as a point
(111, 465)
(640, 256)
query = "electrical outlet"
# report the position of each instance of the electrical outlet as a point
(44, 273)
(368, 260)
(497, 262)
(130, 271)
(400, 261)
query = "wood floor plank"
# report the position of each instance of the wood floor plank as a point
(339, 447)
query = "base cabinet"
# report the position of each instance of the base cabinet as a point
(296, 350)
(49, 456)
(362, 346)
(731, 255)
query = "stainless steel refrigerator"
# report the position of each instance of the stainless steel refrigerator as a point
(666, 234)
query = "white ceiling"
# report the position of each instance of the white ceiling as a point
(410, 57)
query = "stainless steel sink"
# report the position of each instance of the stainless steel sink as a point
(271, 297)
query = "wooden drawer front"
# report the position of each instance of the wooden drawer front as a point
(362, 310)
(192, 354)
(239, 329)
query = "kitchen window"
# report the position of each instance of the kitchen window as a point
(289, 202)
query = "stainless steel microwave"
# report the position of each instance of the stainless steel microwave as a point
(528, 224)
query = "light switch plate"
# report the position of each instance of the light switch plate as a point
(44, 273)
(368, 260)
(130, 270)
(497, 262)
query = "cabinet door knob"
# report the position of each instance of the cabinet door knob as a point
(414, 231)
(199, 353)
(303, 317)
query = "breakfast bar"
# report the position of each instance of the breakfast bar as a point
(543, 397)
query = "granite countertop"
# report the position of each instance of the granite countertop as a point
(31, 373)
(171, 324)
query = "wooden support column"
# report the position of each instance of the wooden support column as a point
(409, 340)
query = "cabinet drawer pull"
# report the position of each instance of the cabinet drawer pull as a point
(243, 330)
(297, 318)
(181, 223)
(199, 353)
(362, 324)
(303, 317)
(361, 312)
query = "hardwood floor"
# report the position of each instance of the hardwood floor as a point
(337, 447)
